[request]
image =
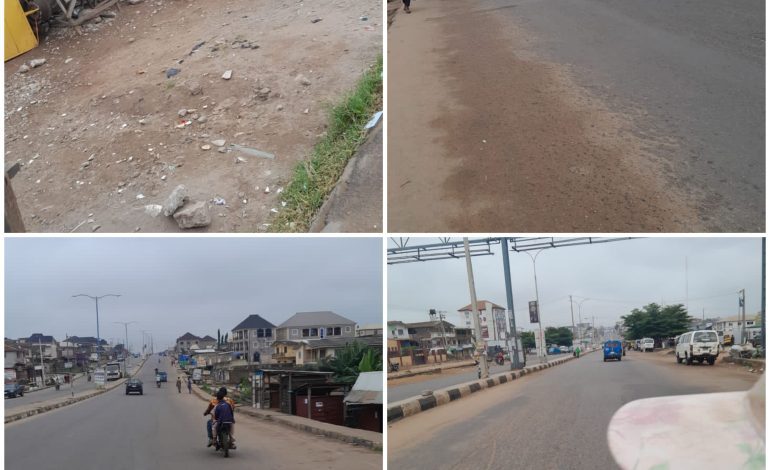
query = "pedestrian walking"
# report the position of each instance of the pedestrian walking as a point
(179, 384)
(189, 385)
(406, 5)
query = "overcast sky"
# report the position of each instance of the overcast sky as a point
(616, 277)
(174, 285)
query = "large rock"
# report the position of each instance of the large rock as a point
(175, 200)
(195, 214)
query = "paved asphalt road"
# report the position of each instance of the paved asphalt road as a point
(446, 379)
(572, 115)
(696, 69)
(553, 419)
(81, 385)
(164, 430)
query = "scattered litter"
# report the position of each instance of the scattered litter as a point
(484, 141)
(218, 142)
(227, 75)
(307, 110)
(197, 46)
(280, 190)
(316, 20)
(206, 147)
(182, 112)
(140, 196)
(24, 68)
(267, 189)
(240, 160)
(68, 60)
(163, 178)
(283, 203)
(218, 201)
(252, 152)
(171, 72)
(153, 209)
(374, 120)
(96, 227)
(274, 210)
(364, 18)
(79, 225)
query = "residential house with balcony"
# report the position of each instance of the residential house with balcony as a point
(433, 334)
(254, 336)
(38, 343)
(315, 325)
(492, 318)
(369, 330)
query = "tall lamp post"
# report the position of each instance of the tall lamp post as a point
(125, 346)
(580, 315)
(144, 340)
(541, 351)
(96, 300)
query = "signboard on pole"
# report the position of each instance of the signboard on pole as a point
(99, 377)
(534, 314)
(68, 365)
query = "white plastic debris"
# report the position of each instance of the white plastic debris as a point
(153, 209)
(374, 120)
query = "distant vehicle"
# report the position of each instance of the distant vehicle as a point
(196, 376)
(112, 370)
(554, 350)
(134, 386)
(163, 376)
(13, 390)
(702, 345)
(564, 349)
(94, 357)
(729, 339)
(613, 350)
(647, 344)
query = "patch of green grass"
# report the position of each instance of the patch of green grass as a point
(314, 178)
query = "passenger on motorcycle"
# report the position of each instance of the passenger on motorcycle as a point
(211, 422)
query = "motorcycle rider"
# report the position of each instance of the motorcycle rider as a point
(157, 380)
(223, 413)
(210, 423)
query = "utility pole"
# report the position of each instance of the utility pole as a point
(515, 364)
(542, 351)
(572, 315)
(742, 304)
(96, 299)
(125, 346)
(762, 331)
(484, 373)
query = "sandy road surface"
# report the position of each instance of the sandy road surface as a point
(98, 134)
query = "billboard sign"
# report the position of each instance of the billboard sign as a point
(534, 313)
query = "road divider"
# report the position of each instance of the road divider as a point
(418, 404)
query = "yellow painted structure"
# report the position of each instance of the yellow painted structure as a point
(19, 37)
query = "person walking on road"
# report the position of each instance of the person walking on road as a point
(406, 6)
(179, 384)
(189, 385)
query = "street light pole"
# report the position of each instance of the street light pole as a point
(125, 346)
(96, 299)
(515, 364)
(484, 372)
(42, 366)
(541, 352)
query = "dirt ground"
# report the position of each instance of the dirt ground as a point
(99, 128)
(483, 137)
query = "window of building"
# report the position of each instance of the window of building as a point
(749, 322)
(260, 333)
(313, 331)
(400, 331)
(295, 332)
(269, 333)
(347, 329)
(337, 331)
(305, 332)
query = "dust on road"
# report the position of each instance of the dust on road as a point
(482, 139)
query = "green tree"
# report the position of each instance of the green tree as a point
(347, 361)
(561, 336)
(528, 339)
(654, 321)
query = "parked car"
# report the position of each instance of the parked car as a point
(613, 350)
(554, 350)
(701, 345)
(563, 349)
(163, 376)
(134, 386)
(13, 390)
(647, 344)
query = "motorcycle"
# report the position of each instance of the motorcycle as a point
(223, 438)
(499, 360)
(158, 382)
(393, 367)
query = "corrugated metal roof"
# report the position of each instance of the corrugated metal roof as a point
(367, 390)
(253, 322)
